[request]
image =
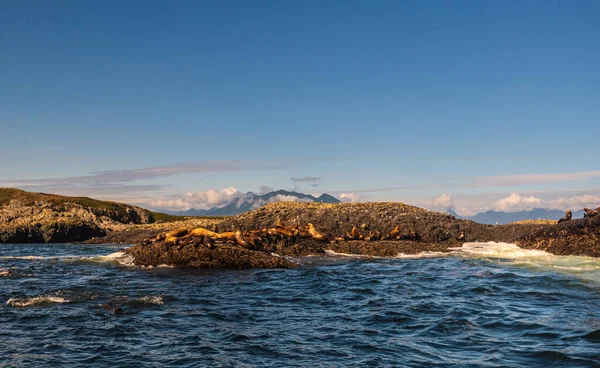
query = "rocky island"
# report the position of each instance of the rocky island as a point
(261, 237)
(271, 236)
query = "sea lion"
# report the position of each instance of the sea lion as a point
(226, 236)
(378, 235)
(159, 237)
(200, 231)
(208, 242)
(285, 233)
(243, 241)
(171, 240)
(373, 236)
(567, 217)
(172, 237)
(395, 233)
(255, 237)
(177, 233)
(591, 213)
(315, 234)
(5, 272)
(197, 241)
(355, 234)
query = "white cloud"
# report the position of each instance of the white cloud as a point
(349, 197)
(199, 200)
(515, 202)
(444, 201)
(441, 203)
(577, 202)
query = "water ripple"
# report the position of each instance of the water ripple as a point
(474, 308)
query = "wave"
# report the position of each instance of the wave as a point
(121, 258)
(35, 301)
(584, 267)
(427, 254)
(332, 253)
(149, 299)
(587, 268)
(39, 258)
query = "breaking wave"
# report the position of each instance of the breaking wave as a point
(35, 301)
(584, 267)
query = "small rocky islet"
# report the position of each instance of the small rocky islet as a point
(271, 236)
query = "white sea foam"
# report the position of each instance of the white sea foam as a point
(584, 267)
(150, 299)
(399, 255)
(421, 255)
(37, 300)
(117, 257)
(332, 253)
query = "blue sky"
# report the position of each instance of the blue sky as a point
(384, 100)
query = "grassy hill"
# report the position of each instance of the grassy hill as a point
(120, 212)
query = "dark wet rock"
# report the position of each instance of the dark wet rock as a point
(221, 256)
(575, 237)
(21, 234)
(388, 248)
(63, 233)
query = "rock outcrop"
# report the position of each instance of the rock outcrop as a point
(287, 229)
(368, 229)
(579, 237)
(43, 218)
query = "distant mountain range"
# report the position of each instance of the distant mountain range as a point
(493, 217)
(251, 201)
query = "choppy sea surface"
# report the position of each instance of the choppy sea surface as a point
(483, 305)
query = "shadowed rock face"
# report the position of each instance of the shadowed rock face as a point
(223, 256)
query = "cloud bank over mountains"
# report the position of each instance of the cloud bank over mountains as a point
(349, 197)
(207, 199)
(515, 202)
(153, 187)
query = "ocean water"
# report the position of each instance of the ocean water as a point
(483, 305)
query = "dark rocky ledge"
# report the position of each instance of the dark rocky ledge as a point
(223, 256)
(579, 237)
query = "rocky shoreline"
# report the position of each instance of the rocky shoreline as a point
(27, 217)
(264, 237)
(579, 237)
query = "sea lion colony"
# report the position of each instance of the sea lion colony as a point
(265, 238)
